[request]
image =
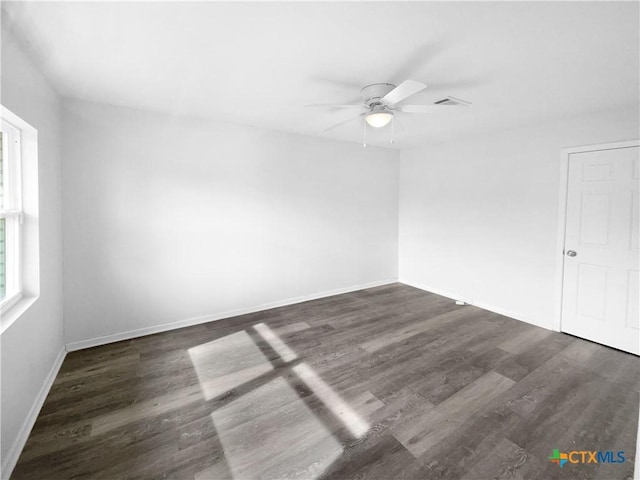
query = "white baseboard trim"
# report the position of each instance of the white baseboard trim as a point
(479, 304)
(9, 462)
(117, 337)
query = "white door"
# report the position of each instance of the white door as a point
(600, 287)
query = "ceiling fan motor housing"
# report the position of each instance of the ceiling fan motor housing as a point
(372, 94)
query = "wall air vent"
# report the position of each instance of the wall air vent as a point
(452, 101)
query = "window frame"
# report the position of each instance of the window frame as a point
(12, 212)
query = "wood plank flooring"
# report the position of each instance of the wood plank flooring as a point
(385, 383)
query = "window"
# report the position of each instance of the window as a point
(11, 215)
(19, 218)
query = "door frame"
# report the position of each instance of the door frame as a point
(562, 215)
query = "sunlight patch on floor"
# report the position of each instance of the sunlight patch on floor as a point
(275, 342)
(271, 433)
(341, 409)
(227, 363)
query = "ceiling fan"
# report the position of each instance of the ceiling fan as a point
(380, 101)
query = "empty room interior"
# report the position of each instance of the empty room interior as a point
(319, 240)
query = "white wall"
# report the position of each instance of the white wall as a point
(167, 219)
(478, 216)
(32, 347)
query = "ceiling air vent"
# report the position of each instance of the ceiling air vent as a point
(452, 101)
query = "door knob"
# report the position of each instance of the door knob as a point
(571, 253)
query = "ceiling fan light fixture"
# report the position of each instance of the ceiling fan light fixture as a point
(377, 119)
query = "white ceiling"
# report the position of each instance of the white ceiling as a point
(259, 63)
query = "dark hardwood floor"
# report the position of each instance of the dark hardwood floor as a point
(386, 383)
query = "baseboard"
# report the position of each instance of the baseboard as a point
(479, 303)
(9, 462)
(117, 337)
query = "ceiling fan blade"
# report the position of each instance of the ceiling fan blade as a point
(329, 105)
(342, 123)
(402, 91)
(431, 108)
